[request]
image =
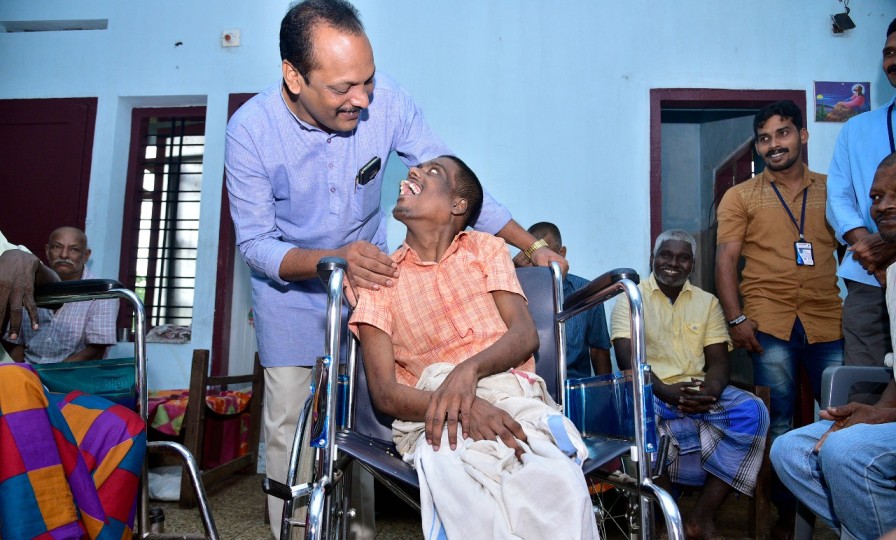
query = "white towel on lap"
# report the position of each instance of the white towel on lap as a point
(480, 490)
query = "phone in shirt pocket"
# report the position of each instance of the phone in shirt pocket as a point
(369, 171)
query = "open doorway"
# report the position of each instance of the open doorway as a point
(701, 145)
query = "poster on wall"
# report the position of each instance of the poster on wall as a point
(840, 101)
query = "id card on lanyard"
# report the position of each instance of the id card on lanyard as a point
(802, 249)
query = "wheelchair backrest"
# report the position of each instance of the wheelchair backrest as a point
(538, 286)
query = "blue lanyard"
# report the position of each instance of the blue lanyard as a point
(802, 223)
(890, 126)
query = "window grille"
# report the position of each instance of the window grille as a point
(162, 217)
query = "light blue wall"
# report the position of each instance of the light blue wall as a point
(548, 102)
(681, 164)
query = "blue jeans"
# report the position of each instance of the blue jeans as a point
(777, 369)
(850, 483)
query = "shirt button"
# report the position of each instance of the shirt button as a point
(332, 190)
(330, 165)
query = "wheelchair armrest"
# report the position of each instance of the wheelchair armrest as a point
(51, 295)
(59, 291)
(836, 382)
(584, 295)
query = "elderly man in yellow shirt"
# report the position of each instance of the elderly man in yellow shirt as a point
(717, 432)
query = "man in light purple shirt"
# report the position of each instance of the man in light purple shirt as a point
(293, 159)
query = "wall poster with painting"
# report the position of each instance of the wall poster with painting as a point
(840, 101)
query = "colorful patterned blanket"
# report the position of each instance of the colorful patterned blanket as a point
(225, 438)
(70, 464)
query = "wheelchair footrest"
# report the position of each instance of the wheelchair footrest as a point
(283, 491)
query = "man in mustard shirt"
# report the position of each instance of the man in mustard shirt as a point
(791, 302)
(717, 432)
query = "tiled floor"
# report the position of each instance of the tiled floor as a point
(238, 513)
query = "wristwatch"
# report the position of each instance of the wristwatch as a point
(531, 249)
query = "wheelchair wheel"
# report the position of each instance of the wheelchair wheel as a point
(329, 511)
(611, 510)
(326, 509)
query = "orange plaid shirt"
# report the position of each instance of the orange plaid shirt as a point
(444, 311)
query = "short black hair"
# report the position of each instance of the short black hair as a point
(298, 24)
(546, 228)
(467, 186)
(887, 162)
(891, 28)
(785, 109)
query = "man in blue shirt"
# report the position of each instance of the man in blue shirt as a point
(300, 188)
(863, 142)
(587, 339)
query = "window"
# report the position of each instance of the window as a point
(161, 220)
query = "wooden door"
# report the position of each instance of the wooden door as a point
(45, 149)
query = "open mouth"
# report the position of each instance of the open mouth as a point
(776, 153)
(407, 187)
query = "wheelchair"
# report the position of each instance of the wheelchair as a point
(340, 425)
(52, 295)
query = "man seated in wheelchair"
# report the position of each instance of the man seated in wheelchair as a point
(70, 464)
(76, 331)
(716, 432)
(448, 352)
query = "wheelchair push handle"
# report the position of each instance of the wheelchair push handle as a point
(327, 265)
(590, 294)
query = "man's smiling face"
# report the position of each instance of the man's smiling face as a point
(427, 192)
(332, 96)
(883, 200)
(779, 143)
(673, 263)
(889, 61)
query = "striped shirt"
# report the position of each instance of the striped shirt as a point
(442, 311)
(68, 330)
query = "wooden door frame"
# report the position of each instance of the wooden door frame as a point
(221, 322)
(700, 98)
